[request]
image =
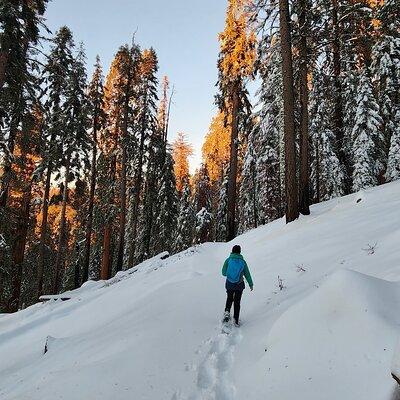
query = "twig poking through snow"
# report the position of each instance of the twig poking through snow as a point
(281, 286)
(300, 268)
(371, 248)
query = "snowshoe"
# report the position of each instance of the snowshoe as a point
(226, 318)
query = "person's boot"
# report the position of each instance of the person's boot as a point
(226, 318)
(237, 323)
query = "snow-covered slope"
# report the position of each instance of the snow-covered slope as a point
(153, 332)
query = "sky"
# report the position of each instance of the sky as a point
(184, 34)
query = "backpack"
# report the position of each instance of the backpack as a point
(234, 273)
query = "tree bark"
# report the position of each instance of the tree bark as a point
(3, 66)
(137, 189)
(317, 172)
(62, 232)
(18, 250)
(292, 209)
(7, 169)
(233, 162)
(338, 100)
(122, 218)
(105, 271)
(43, 229)
(304, 189)
(89, 223)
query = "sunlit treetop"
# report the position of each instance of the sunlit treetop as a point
(216, 148)
(237, 42)
(182, 150)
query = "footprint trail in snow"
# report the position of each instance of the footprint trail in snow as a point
(214, 380)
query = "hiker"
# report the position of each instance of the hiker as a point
(235, 267)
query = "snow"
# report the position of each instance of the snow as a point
(153, 332)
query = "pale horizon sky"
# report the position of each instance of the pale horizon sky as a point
(184, 34)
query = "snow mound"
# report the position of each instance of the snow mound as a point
(337, 336)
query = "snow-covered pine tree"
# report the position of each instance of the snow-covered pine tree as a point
(366, 136)
(393, 163)
(56, 74)
(263, 169)
(203, 205)
(327, 173)
(166, 210)
(235, 64)
(155, 156)
(75, 146)
(146, 121)
(186, 222)
(386, 75)
(220, 215)
(97, 120)
(20, 24)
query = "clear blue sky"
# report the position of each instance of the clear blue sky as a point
(184, 34)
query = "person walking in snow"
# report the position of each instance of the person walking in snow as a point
(235, 267)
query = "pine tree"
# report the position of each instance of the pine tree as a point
(304, 167)
(74, 147)
(216, 148)
(203, 205)
(366, 137)
(393, 163)
(56, 74)
(186, 221)
(260, 193)
(145, 118)
(236, 62)
(155, 162)
(182, 150)
(166, 211)
(386, 74)
(327, 172)
(292, 209)
(97, 119)
(221, 228)
(119, 143)
(129, 73)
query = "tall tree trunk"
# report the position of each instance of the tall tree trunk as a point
(43, 229)
(18, 250)
(62, 233)
(3, 67)
(233, 162)
(7, 168)
(254, 184)
(338, 100)
(304, 189)
(105, 271)
(137, 188)
(122, 216)
(89, 223)
(292, 208)
(317, 172)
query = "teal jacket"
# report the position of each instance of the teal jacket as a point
(246, 271)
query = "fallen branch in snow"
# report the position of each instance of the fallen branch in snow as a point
(371, 248)
(397, 379)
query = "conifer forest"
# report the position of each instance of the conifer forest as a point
(91, 182)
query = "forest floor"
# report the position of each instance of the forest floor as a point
(327, 329)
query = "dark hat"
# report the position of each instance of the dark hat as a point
(236, 249)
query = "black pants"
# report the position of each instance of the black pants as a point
(234, 296)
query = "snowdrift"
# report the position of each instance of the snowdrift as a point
(153, 332)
